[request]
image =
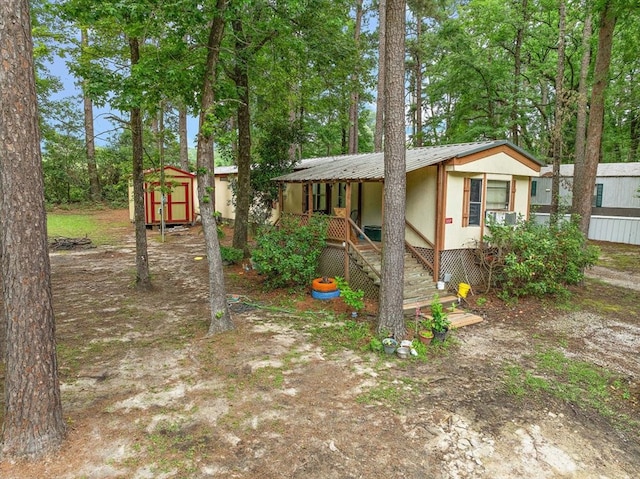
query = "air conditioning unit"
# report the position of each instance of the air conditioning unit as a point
(501, 217)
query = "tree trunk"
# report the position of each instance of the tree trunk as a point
(418, 141)
(33, 422)
(379, 131)
(391, 315)
(585, 177)
(182, 134)
(220, 317)
(143, 278)
(581, 116)
(354, 101)
(95, 189)
(634, 127)
(243, 189)
(517, 73)
(556, 137)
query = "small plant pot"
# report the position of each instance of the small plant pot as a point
(425, 337)
(440, 336)
(390, 345)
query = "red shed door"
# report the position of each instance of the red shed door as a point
(178, 207)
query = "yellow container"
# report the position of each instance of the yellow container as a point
(463, 289)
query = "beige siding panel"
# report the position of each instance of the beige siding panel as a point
(371, 204)
(500, 163)
(293, 198)
(421, 204)
(224, 197)
(521, 205)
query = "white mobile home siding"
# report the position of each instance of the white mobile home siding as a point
(615, 229)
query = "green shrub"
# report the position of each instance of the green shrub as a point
(231, 255)
(531, 259)
(288, 254)
(352, 298)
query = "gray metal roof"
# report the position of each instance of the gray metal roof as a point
(604, 169)
(370, 166)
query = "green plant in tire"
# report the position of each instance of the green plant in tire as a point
(352, 298)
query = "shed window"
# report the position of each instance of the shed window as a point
(472, 202)
(534, 187)
(498, 195)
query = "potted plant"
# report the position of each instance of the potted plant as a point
(425, 334)
(439, 320)
(390, 345)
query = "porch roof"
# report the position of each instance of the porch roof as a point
(370, 166)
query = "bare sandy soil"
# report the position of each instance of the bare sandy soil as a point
(148, 395)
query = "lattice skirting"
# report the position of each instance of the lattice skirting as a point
(332, 264)
(459, 263)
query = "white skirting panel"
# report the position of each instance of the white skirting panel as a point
(616, 229)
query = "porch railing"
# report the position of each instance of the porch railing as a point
(414, 251)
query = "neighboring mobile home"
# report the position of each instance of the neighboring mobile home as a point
(451, 191)
(616, 200)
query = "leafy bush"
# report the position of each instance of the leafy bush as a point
(531, 259)
(231, 255)
(352, 298)
(288, 254)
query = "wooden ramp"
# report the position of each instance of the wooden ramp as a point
(460, 318)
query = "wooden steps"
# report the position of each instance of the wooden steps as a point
(419, 288)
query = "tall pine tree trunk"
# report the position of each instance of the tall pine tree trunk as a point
(354, 98)
(418, 140)
(379, 131)
(581, 114)
(143, 278)
(391, 315)
(556, 136)
(220, 316)
(243, 189)
(182, 136)
(517, 73)
(32, 420)
(95, 189)
(585, 177)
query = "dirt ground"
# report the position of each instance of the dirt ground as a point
(147, 394)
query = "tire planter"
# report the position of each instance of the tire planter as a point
(325, 294)
(319, 285)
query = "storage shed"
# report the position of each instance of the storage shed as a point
(180, 197)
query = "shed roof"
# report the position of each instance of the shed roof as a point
(604, 169)
(370, 166)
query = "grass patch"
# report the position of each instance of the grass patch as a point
(573, 381)
(394, 394)
(623, 257)
(78, 226)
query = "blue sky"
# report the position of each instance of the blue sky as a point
(104, 128)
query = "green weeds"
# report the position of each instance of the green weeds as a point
(578, 382)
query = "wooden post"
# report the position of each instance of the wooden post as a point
(347, 232)
(309, 199)
(280, 200)
(440, 218)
